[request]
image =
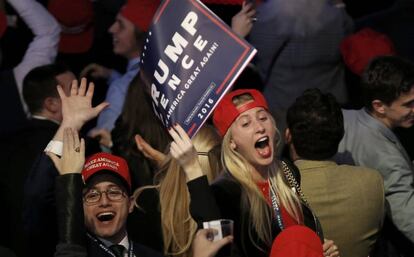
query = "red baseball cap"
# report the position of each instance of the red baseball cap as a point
(360, 48)
(106, 162)
(3, 23)
(298, 241)
(226, 112)
(140, 12)
(76, 20)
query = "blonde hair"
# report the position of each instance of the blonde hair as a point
(207, 143)
(260, 215)
(178, 227)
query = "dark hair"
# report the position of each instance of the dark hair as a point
(316, 124)
(103, 175)
(138, 117)
(385, 79)
(40, 83)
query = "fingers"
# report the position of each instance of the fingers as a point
(179, 135)
(181, 144)
(139, 141)
(99, 108)
(91, 89)
(95, 132)
(87, 69)
(175, 150)
(82, 87)
(327, 244)
(330, 249)
(148, 151)
(74, 87)
(146, 148)
(247, 6)
(222, 242)
(251, 13)
(61, 93)
(182, 132)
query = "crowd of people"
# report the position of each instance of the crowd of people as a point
(309, 154)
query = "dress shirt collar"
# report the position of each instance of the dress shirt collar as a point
(39, 117)
(365, 118)
(133, 63)
(124, 242)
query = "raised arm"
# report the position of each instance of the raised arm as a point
(182, 149)
(203, 206)
(43, 48)
(39, 208)
(68, 193)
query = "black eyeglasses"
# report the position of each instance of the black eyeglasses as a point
(113, 194)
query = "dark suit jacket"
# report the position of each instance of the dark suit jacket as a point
(72, 240)
(17, 155)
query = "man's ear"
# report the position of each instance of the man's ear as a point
(52, 104)
(131, 204)
(378, 106)
(288, 136)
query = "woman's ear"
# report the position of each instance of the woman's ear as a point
(233, 145)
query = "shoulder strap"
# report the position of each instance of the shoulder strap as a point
(293, 182)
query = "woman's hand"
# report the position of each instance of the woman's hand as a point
(96, 71)
(149, 152)
(330, 249)
(204, 247)
(183, 151)
(73, 155)
(242, 22)
(104, 136)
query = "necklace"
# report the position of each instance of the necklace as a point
(275, 205)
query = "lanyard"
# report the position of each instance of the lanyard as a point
(275, 205)
(107, 250)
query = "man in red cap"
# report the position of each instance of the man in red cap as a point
(128, 32)
(106, 202)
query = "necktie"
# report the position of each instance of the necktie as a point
(118, 250)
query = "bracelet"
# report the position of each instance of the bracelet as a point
(55, 147)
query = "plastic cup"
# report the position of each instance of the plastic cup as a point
(224, 228)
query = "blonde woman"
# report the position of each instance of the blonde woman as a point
(254, 190)
(177, 226)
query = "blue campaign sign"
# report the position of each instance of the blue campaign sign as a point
(190, 60)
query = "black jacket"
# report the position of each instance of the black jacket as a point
(72, 239)
(223, 200)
